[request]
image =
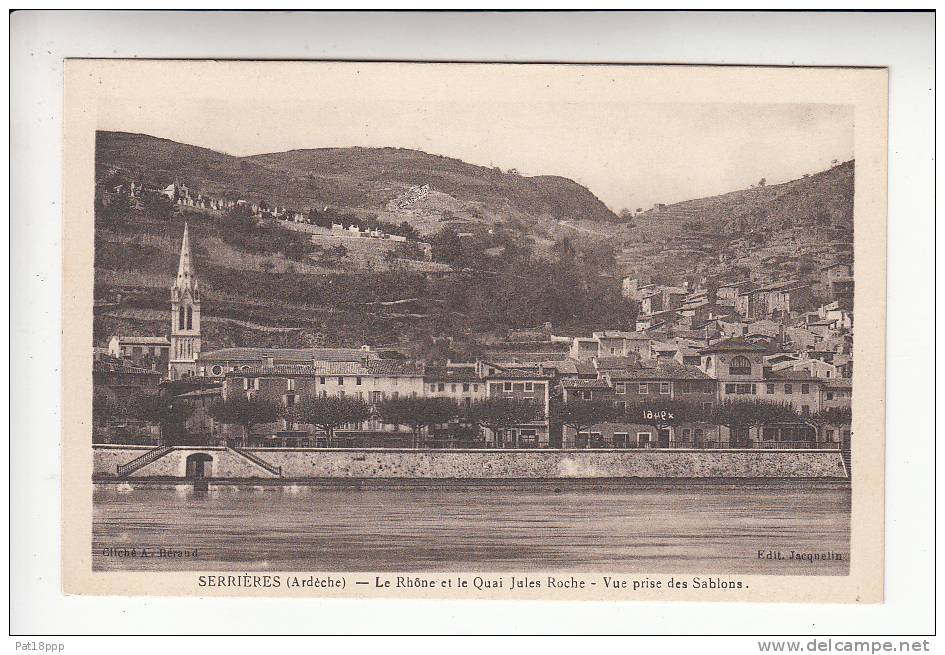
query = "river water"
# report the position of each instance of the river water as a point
(634, 527)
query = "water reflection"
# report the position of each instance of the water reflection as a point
(661, 527)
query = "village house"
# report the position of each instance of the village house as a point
(834, 271)
(789, 298)
(144, 352)
(645, 389)
(284, 385)
(122, 382)
(752, 304)
(521, 385)
(727, 294)
(463, 385)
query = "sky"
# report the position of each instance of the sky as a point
(631, 150)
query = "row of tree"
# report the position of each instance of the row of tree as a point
(331, 413)
(734, 414)
(499, 415)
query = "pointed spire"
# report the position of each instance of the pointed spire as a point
(185, 272)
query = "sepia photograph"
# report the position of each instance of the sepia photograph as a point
(472, 322)
(542, 325)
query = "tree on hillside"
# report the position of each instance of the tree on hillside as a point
(447, 247)
(417, 413)
(582, 415)
(245, 412)
(329, 413)
(502, 414)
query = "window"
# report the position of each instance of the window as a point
(341, 393)
(621, 405)
(377, 396)
(190, 318)
(643, 388)
(290, 400)
(475, 387)
(290, 384)
(359, 395)
(529, 386)
(394, 381)
(341, 380)
(245, 384)
(828, 374)
(805, 388)
(433, 387)
(440, 387)
(769, 388)
(395, 395)
(740, 365)
(507, 386)
(216, 369)
(829, 395)
(789, 389)
(357, 380)
(324, 394)
(452, 388)
(740, 389)
(466, 387)
(321, 380)
(620, 387)
(829, 435)
(664, 387)
(620, 439)
(643, 439)
(706, 407)
(180, 319)
(805, 410)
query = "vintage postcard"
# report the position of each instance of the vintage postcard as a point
(419, 330)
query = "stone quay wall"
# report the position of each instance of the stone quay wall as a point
(323, 463)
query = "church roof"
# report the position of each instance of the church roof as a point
(286, 354)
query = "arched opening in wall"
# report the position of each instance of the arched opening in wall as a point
(180, 319)
(740, 365)
(190, 318)
(199, 466)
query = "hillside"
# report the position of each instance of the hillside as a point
(356, 180)
(765, 232)
(519, 251)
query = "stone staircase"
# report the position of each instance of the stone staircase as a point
(847, 456)
(258, 461)
(124, 470)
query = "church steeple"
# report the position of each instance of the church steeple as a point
(185, 315)
(186, 278)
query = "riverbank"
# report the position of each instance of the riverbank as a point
(552, 485)
(328, 466)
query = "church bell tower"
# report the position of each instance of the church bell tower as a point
(185, 316)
